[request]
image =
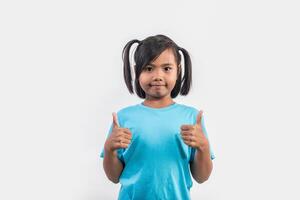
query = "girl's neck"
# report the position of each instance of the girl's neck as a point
(158, 103)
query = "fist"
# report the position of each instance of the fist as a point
(119, 137)
(193, 135)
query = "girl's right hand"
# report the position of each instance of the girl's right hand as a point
(119, 138)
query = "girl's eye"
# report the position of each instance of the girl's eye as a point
(148, 69)
(168, 68)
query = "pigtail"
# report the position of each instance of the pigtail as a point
(126, 65)
(187, 78)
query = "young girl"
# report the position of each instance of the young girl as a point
(155, 146)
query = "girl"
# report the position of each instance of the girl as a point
(155, 146)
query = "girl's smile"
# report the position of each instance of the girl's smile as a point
(157, 85)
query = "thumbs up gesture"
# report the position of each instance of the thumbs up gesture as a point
(193, 135)
(119, 138)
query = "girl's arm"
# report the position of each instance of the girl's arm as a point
(201, 167)
(113, 167)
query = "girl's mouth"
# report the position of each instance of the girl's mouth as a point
(156, 85)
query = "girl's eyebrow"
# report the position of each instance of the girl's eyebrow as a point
(162, 65)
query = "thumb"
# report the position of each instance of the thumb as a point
(199, 117)
(115, 119)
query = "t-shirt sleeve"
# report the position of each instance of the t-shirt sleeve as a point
(119, 151)
(193, 150)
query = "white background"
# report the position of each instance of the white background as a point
(61, 78)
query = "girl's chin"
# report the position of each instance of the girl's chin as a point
(158, 93)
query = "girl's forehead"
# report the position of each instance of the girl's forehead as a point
(166, 57)
(162, 64)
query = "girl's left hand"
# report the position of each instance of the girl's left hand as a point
(193, 135)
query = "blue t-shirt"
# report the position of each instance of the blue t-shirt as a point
(157, 161)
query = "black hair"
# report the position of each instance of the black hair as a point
(147, 51)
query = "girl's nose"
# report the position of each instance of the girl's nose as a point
(158, 74)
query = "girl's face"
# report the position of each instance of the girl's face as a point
(159, 77)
